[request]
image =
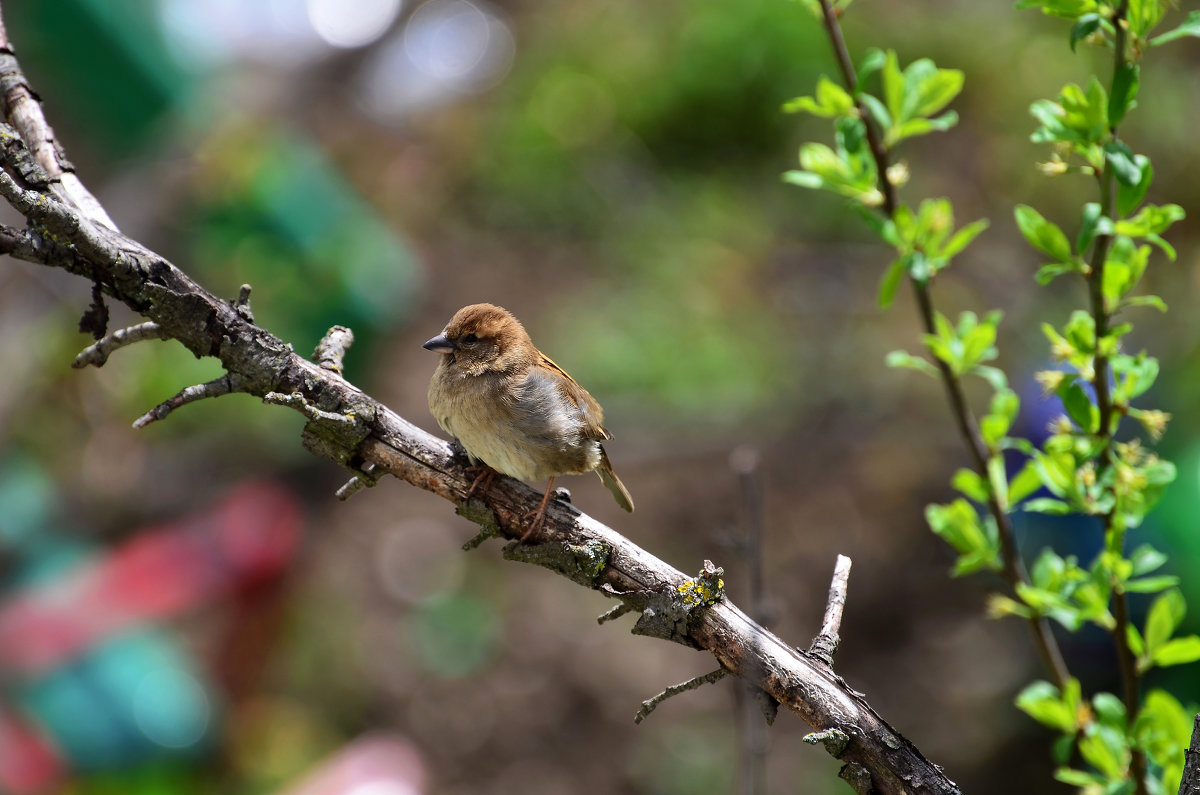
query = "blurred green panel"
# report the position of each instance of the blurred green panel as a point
(104, 63)
(273, 212)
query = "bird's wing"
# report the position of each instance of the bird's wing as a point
(590, 413)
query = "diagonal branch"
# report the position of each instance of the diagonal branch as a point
(825, 644)
(352, 429)
(97, 354)
(266, 366)
(210, 389)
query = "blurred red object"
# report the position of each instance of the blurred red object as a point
(249, 536)
(29, 762)
(374, 764)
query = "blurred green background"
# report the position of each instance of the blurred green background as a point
(610, 173)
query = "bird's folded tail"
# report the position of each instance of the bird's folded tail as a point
(613, 483)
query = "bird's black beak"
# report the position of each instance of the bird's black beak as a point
(439, 344)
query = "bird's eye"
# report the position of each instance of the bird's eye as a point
(468, 339)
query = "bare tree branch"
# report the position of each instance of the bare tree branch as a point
(69, 230)
(210, 389)
(98, 353)
(695, 682)
(1190, 783)
(826, 643)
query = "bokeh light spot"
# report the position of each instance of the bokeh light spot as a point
(447, 38)
(355, 26)
(455, 634)
(171, 708)
(384, 787)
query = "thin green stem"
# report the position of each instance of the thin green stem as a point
(968, 427)
(1126, 662)
(850, 78)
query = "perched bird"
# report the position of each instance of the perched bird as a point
(513, 409)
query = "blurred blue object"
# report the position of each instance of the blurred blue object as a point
(129, 700)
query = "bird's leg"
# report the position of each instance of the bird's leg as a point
(539, 514)
(485, 477)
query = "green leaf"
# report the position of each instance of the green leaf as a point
(971, 485)
(877, 109)
(849, 169)
(831, 100)
(1146, 559)
(1164, 616)
(1052, 270)
(1166, 247)
(929, 89)
(1190, 27)
(993, 375)
(1134, 375)
(998, 479)
(880, 224)
(1093, 107)
(1047, 505)
(1024, 483)
(872, 61)
(1123, 164)
(890, 283)
(1106, 749)
(1134, 638)
(1088, 782)
(1047, 705)
(1109, 709)
(834, 100)
(1144, 15)
(1123, 268)
(1152, 584)
(893, 86)
(1048, 569)
(1147, 300)
(912, 128)
(977, 345)
(804, 179)
(959, 525)
(919, 267)
(1094, 223)
(1163, 727)
(1152, 219)
(910, 362)
(1064, 9)
(1130, 196)
(1086, 26)
(962, 238)
(1078, 405)
(1003, 410)
(1124, 93)
(1178, 651)
(1042, 234)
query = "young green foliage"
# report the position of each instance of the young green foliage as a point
(1081, 464)
(1107, 744)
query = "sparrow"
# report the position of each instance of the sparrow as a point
(513, 409)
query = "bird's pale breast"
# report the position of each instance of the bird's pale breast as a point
(522, 425)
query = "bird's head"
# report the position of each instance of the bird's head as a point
(484, 338)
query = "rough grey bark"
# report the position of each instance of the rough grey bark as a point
(1190, 783)
(67, 228)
